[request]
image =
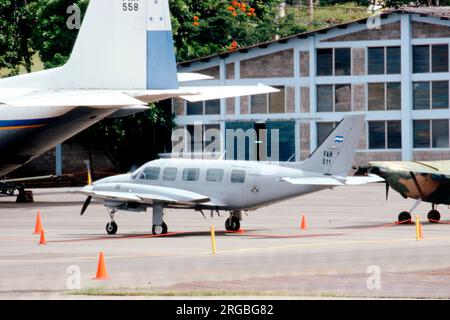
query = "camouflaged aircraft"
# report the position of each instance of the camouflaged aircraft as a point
(427, 181)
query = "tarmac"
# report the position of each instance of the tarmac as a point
(351, 248)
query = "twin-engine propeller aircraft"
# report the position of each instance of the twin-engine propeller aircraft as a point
(122, 60)
(233, 186)
(427, 181)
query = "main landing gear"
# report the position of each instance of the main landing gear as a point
(159, 226)
(233, 223)
(434, 216)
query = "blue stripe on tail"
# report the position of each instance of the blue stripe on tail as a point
(161, 63)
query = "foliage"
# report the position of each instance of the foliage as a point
(132, 141)
(16, 22)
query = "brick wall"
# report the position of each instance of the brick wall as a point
(245, 105)
(212, 72)
(363, 158)
(276, 65)
(431, 155)
(230, 106)
(386, 32)
(359, 97)
(305, 143)
(230, 71)
(304, 63)
(304, 100)
(290, 100)
(178, 107)
(429, 30)
(359, 61)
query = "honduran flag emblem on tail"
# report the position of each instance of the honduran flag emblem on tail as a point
(339, 139)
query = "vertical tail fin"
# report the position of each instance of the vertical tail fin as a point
(336, 154)
(124, 44)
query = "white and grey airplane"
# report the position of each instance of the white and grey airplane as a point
(122, 60)
(233, 186)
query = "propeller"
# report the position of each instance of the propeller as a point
(86, 205)
(387, 190)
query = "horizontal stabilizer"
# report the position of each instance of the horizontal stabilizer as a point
(334, 180)
(190, 76)
(371, 178)
(75, 99)
(314, 181)
(222, 92)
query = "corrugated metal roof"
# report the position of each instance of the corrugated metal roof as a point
(441, 12)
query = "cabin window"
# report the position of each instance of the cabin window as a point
(191, 174)
(214, 175)
(170, 174)
(151, 173)
(238, 176)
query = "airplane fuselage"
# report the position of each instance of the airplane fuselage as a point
(237, 185)
(26, 133)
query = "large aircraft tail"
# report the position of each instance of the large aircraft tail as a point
(136, 33)
(336, 154)
(122, 44)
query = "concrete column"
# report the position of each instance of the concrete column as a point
(58, 160)
(312, 93)
(406, 61)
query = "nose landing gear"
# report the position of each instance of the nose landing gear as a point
(233, 223)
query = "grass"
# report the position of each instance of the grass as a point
(326, 16)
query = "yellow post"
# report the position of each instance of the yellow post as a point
(213, 240)
(418, 229)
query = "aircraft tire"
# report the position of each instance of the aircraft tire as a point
(404, 216)
(111, 228)
(159, 230)
(232, 224)
(434, 216)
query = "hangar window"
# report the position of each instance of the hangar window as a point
(335, 62)
(384, 96)
(238, 176)
(432, 58)
(151, 173)
(269, 103)
(209, 107)
(323, 130)
(384, 60)
(385, 135)
(214, 175)
(334, 98)
(191, 174)
(430, 95)
(170, 174)
(431, 133)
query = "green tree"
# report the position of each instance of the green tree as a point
(16, 26)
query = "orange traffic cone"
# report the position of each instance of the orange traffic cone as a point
(38, 228)
(101, 269)
(42, 241)
(303, 225)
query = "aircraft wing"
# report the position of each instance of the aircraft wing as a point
(221, 92)
(147, 195)
(333, 180)
(190, 76)
(73, 99)
(425, 167)
(194, 94)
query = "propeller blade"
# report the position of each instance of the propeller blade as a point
(86, 205)
(387, 190)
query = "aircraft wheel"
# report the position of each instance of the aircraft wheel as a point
(404, 216)
(434, 216)
(232, 224)
(111, 228)
(159, 230)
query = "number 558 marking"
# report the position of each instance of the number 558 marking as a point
(130, 6)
